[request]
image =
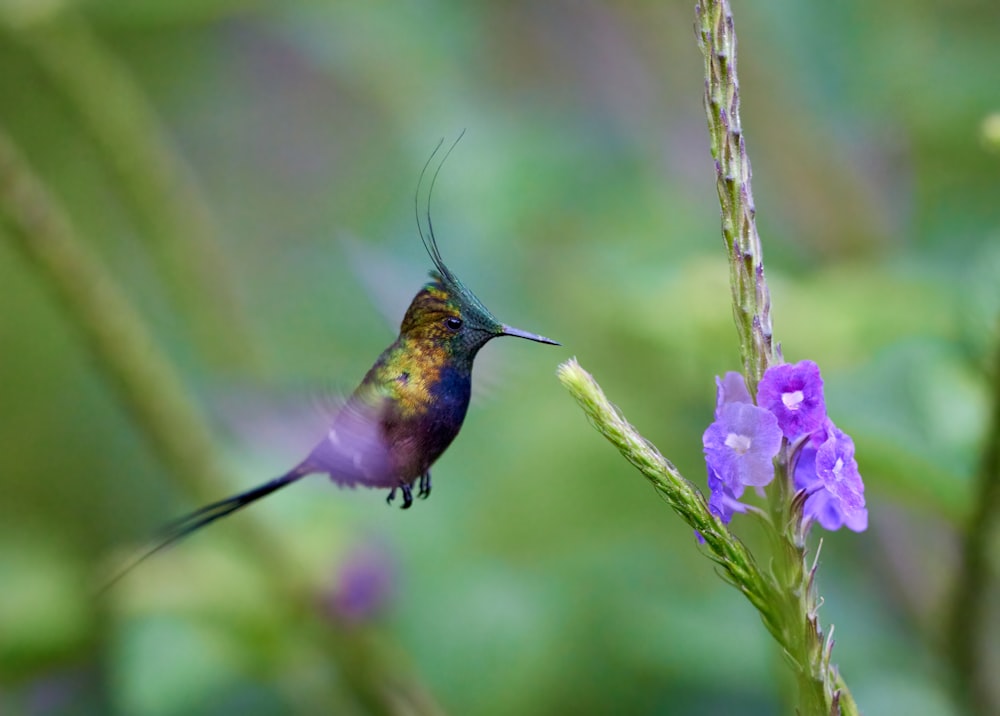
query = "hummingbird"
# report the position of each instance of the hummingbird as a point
(410, 405)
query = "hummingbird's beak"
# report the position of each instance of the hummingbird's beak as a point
(517, 332)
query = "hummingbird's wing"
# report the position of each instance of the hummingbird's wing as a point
(270, 422)
(356, 449)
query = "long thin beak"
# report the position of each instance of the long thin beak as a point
(517, 332)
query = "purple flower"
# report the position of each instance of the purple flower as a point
(794, 393)
(827, 471)
(730, 389)
(364, 584)
(724, 500)
(740, 446)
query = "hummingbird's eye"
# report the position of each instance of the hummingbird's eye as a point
(453, 323)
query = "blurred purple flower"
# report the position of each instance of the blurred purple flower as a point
(739, 447)
(794, 393)
(54, 692)
(364, 584)
(827, 471)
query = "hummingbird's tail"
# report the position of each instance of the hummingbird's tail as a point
(204, 516)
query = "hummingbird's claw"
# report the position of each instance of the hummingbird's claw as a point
(407, 495)
(424, 490)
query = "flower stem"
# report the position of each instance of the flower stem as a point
(821, 690)
(685, 499)
(751, 297)
(784, 598)
(971, 682)
(114, 332)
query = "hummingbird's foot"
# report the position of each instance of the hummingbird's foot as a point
(424, 490)
(407, 494)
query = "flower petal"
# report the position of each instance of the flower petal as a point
(741, 444)
(794, 393)
(731, 388)
(829, 473)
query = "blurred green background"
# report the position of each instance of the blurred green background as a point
(245, 171)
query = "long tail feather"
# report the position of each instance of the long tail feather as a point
(203, 516)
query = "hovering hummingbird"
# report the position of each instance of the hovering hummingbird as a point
(408, 408)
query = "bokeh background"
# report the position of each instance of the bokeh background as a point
(244, 172)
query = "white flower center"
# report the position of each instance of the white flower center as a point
(792, 401)
(738, 443)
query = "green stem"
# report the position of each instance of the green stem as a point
(751, 297)
(115, 334)
(803, 640)
(164, 195)
(968, 606)
(821, 690)
(784, 598)
(738, 566)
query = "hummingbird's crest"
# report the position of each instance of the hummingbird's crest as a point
(457, 292)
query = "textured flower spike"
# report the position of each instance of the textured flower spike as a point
(748, 443)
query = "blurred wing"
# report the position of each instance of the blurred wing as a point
(355, 450)
(276, 421)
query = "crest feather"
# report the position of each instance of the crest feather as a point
(427, 237)
(441, 273)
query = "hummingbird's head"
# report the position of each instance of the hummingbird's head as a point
(446, 312)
